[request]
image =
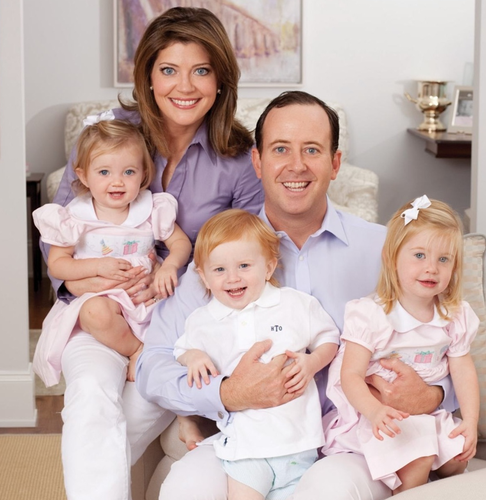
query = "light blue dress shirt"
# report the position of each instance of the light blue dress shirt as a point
(339, 262)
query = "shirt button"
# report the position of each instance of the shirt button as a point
(301, 257)
(220, 415)
(243, 323)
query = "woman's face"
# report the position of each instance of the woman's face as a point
(184, 85)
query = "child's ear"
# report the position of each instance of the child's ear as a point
(201, 275)
(81, 176)
(271, 266)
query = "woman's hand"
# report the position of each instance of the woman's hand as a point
(135, 283)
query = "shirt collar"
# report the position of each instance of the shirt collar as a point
(269, 298)
(140, 209)
(201, 137)
(332, 224)
(402, 321)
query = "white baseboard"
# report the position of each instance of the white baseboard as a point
(17, 394)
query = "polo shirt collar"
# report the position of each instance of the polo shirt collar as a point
(269, 298)
(402, 321)
(332, 224)
(140, 209)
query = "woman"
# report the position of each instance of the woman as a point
(184, 100)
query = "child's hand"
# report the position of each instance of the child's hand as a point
(165, 280)
(383, 419)
(112, 268)
(301, 372)
(198, 364)
(469, 429)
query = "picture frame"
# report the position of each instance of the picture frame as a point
(266, 36)
(461, 119)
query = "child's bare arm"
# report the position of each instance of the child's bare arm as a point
(199, 365)
(180, 248)
(466, 387)
(305, 366)
(63, 266)
(353, 372)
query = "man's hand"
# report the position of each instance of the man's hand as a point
(254, 384)
(408, 392)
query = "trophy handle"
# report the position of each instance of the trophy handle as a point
(410, 98)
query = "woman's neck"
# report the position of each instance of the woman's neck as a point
(179, 139)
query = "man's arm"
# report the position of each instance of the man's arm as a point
(408, 392)
(161, 379)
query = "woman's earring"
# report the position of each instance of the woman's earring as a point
(151, 88)
(218, 91)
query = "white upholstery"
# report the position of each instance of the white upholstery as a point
(355, 190)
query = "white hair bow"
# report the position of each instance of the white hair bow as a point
(92, 119)
(412, 213)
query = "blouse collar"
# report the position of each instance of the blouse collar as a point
(403, 322)
(139, 211)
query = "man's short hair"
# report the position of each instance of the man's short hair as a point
(289, 98)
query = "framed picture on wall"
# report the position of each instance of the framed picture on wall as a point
(462, 110)
(266, 36)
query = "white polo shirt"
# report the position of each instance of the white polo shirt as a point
(294, 321)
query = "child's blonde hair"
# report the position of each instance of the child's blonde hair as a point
(231, 225)
(445, 223)
(107, 136)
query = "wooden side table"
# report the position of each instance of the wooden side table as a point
(444, 144)
(33, 184)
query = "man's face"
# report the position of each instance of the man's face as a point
(296, 165)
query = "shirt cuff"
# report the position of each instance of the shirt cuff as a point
(208, 401)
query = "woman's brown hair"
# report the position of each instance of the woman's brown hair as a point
(227, 136)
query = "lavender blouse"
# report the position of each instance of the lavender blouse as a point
(203, 183)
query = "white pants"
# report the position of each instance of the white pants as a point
(107, 424)
(338, 477)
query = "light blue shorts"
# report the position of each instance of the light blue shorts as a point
(274, 478)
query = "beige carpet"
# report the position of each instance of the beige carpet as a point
(30, 467)
(40, 388)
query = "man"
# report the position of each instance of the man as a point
(329, 254)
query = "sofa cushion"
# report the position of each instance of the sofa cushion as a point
(473, 291)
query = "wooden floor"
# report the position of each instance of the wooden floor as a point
(48, 407)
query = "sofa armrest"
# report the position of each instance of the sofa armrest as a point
(355, 190)
(469, 485)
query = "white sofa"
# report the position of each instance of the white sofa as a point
(355, 190)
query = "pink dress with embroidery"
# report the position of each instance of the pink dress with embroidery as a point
(426, 348)
(150, 218)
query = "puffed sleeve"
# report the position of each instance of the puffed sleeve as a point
(164, 213)
(365, 323)
(462, 330)
(56, 225)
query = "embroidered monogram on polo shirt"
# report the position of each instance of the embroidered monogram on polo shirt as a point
(276, 328)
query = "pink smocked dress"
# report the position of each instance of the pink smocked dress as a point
(425, 347)
(150, 218)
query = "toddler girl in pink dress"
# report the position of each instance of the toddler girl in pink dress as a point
(108, 230)
(418, 316)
